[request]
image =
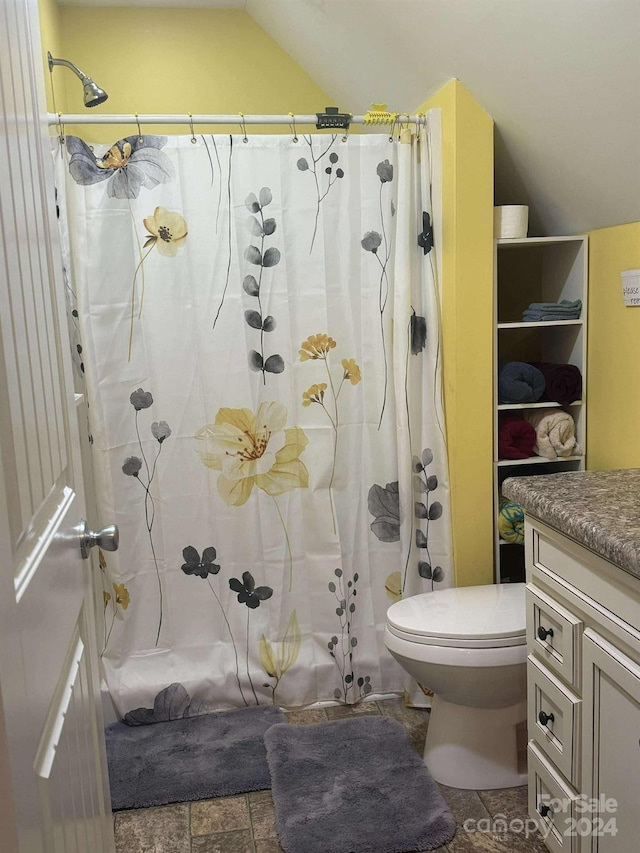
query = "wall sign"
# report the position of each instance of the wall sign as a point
(631, 287)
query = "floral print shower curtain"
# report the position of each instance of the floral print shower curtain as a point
(256, 323)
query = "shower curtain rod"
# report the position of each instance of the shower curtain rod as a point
(239, 119)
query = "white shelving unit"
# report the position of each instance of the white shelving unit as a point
(535, 269)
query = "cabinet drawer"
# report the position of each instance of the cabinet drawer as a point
(553, 634)
(547, 790)
(553, 718)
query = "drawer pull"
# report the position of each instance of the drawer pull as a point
(544, 809)
(545, 719)
(543, 633)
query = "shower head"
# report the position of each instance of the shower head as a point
(93, 94)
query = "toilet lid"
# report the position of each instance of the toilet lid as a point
(491, 612)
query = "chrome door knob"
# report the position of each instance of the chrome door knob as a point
(108, 538)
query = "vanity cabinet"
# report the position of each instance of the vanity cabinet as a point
(583, 667)
(535, 269)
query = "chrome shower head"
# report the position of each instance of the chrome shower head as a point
(93, 94)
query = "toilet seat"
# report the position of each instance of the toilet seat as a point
(478, 617)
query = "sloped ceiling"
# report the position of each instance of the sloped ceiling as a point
(560, 78)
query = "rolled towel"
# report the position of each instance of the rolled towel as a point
(555, 433)
(516, 439)
(519, 382)
(563, 382)
(511, 522)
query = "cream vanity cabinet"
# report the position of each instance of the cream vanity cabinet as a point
(583, 637)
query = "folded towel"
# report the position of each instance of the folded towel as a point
(511, 522)
(563, 382)
(555, 433)
(516, 439)
(519, 382)
(563, 310)
(564, 306)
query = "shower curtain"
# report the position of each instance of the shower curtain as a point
(256, 322)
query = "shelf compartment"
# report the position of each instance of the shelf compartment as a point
(538, 270)
(540, 342)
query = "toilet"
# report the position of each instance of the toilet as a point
(468, 645)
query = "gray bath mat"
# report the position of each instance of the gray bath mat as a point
(189, 759)
(352, 786)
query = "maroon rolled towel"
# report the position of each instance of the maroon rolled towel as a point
(516, 439)
(563, 382)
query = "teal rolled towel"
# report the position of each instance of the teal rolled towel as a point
(519, 382)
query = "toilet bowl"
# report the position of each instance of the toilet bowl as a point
(468, 645)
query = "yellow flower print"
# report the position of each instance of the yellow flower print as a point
(253, 450)
(351, 370)
(393, 586)
(122, 595)
(115, 158)
(167, 231)
(316, 346)
(315, 394)
(277, 662)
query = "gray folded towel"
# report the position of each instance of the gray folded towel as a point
(565, 305)
(519, 382)
(563, 310)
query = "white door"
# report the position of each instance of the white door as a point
(53, 784)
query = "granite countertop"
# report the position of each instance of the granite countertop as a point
(598, 509)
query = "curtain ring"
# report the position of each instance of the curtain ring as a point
(346, 135)
(140, 139)
(194, 141)
(393, 127)
(60, 129)
(292, 127)
(243, 125)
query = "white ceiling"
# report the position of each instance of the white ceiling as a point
(560, 78)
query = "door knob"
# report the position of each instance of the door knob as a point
(108, 538)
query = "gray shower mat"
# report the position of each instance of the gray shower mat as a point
(351, 786)
(211, 755)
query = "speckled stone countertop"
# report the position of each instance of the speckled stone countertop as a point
(598, 509)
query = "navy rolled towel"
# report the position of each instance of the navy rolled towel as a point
(563, 382)
(519, 382)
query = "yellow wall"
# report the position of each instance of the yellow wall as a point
(467, 317)
(153, 60)
(51, 37)
(613, 361)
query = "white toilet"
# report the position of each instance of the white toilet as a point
(468, 645)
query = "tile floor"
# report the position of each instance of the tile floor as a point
(245, 823)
